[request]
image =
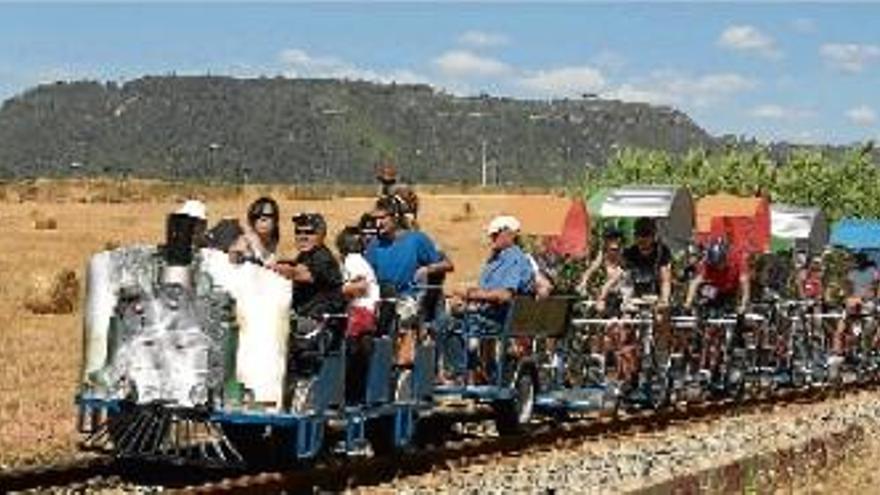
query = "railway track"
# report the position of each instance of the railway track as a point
(456, 454)
(104, 471)
(435, 451)
(55, 475)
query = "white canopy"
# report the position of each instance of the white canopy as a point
(803, 225)
(640, 201)
(672, 206)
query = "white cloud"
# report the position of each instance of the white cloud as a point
(804, 25)
(863, 115)
(462, 63)
(299, 63)
(564, 81)
(773, 111)
(678, 89)
(482, 39)
(849, 57)
(749, 39)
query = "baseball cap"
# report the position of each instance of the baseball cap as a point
(503, 222)
(309, 221)
(194, 208)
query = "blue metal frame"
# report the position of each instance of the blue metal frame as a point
(404, 426)
(490, 392)
(331, 381)
(379, 373)
(308, 429)
(423, 373)
(567, 399)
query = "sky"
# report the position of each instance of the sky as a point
(804, 72)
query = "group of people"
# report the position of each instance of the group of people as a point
(717, 278)
(385, 259)
(859, 289)
(382, 261)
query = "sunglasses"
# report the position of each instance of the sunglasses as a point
(304, 232)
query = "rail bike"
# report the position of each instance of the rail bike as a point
(187, 359)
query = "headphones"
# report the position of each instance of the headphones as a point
(395, 205)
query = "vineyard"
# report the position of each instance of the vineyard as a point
(841, 184)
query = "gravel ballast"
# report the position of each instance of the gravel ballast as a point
(635, 462)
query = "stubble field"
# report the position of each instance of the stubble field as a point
(40, 354)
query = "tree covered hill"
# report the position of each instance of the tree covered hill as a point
(299, 130)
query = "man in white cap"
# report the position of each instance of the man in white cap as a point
(507, 272)
(196, 210)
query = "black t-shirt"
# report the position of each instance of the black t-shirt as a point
(645, 270)
(324, 294)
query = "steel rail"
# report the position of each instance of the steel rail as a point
(345, 475)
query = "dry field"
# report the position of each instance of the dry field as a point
(40, 354)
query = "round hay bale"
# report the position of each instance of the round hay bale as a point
(52, 293)
(45, 224)
(467, 213)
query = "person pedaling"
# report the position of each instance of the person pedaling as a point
(648, 266)
(609, 297)
(861, 292)
(721, 287)
(810, 280)
(361, 289)
(432, 301)
(483, 309)
(403, 261)
(649, 263)
(318, 302)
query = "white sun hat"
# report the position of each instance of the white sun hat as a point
(503, 222)
(195, 209)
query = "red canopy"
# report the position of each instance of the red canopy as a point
(745, 222)
(574, 239)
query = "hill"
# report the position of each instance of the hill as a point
(297, 130)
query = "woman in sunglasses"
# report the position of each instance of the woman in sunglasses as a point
(259, 242)
(615, 343)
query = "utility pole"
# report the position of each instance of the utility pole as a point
(484, 169)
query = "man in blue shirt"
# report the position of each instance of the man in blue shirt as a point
(402, 258)
(507, 273)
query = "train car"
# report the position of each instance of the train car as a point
(187, 360)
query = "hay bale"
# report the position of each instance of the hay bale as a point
(467, 213)
(45, 224)
(49, 293)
